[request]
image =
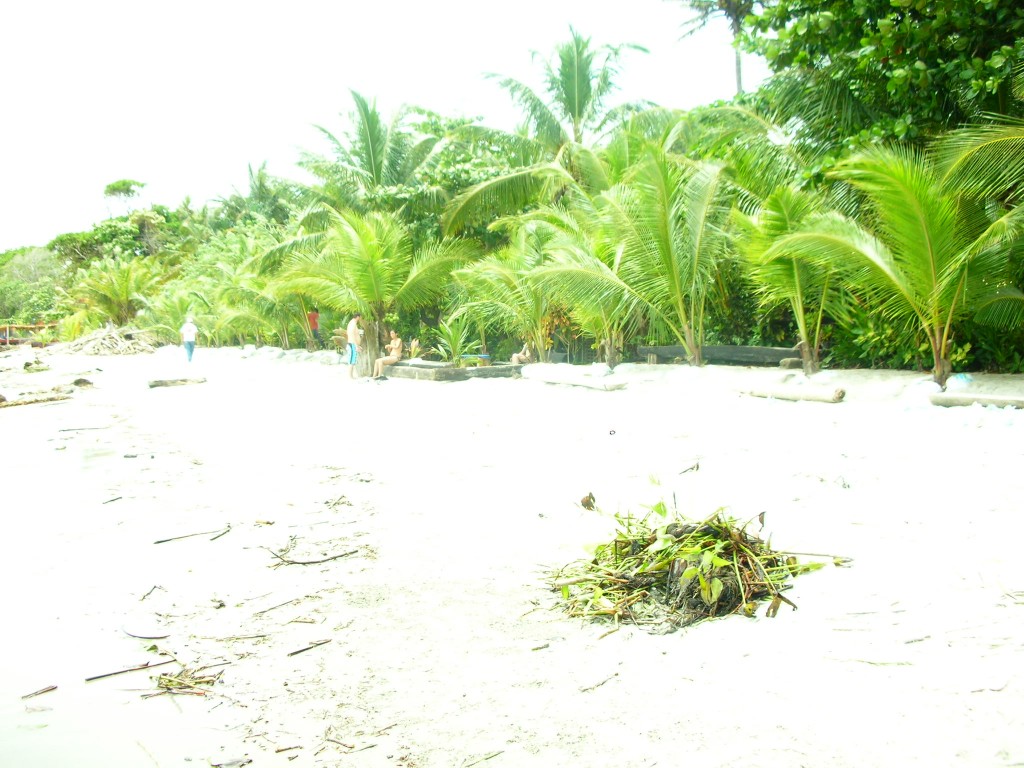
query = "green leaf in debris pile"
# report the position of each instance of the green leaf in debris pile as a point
(667, 573)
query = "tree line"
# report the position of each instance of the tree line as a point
(862, 205)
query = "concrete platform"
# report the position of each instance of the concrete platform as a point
(426, 370)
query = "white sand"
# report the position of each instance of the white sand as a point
(459, 499)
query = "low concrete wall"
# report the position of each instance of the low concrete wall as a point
(428, 371)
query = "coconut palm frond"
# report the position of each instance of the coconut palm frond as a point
(431, 269)
(369, 141)
(910, 213)
(515, 149)
(986, 161)
(1002, 308)
(587, 165)
(545, 125)
(510, 192)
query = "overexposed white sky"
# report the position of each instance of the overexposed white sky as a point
(184, 96)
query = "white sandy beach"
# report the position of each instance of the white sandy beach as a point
(456, 502)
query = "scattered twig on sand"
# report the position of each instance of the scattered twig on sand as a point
(483, 759)
(287, 561)
(81, 429)
(236, 637)
(116, 498)
(309, 647)
(226, 530)
(147, 665)
(190, 535)
(152, 589)
(41, 691)
(285, 749)
(385, 729)
(595, 686)
(1000, 689)
(279, 605)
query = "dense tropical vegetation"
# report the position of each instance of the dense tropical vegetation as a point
(863, 205)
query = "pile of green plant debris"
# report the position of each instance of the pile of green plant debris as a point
(667, 574)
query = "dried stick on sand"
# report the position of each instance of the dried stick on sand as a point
(286, 561)
(147, 665)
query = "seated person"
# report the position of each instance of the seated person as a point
(394, 354)
(522, 356)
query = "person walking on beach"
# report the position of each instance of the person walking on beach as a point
(354, 347)
(188, 336)
(314, 326)
(394, 354)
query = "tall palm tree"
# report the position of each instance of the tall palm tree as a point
(552, 150)
(369, 263)
(926, 256)
(376, 158)
(735, 11)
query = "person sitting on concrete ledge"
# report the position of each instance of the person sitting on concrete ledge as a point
(394, 354)
(522, 356)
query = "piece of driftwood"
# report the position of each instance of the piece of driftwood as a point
(174, 382)
(952, 399)
(33, 401)
(726, 354)
(812, 394)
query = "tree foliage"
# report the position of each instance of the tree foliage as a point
(903, 68)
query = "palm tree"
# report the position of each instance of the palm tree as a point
(780, 277)
(649, 252)
(926, 257)
(551, 151)
(735, 11)
(368, 263)
(379, 157)
(503, 294)
(584, 255)
(113, 289)
(987, 161)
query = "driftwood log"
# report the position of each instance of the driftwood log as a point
(174, 382)
(33, 400)
(951, 399)
(812, 394)
(727, 354)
